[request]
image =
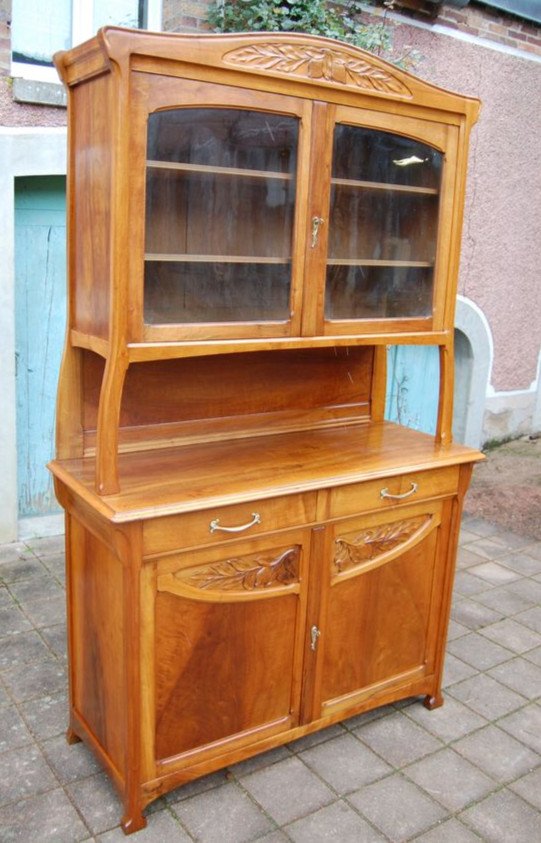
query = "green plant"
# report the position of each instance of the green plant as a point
(315, 17)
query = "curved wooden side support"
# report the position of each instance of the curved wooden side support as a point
(107, 482)
(444, 428)
(379, 383)
(69, 428)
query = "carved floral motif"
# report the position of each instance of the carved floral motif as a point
(367, 545)
(331, 64)
(245, 573)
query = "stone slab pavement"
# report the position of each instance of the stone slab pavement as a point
(468, 771)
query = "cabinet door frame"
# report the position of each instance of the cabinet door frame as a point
(441, 136)
(159, 576)
(151, 93)
(433, 515)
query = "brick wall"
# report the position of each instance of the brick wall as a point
(475, 19)
(5, 36)
(485, 22)
(184, 15)
(189, 16)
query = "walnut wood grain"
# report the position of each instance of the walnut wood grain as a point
(222, 669)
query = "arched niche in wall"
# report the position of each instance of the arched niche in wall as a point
(412, 372)
(473, 363)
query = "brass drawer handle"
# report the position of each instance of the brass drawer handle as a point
(386, 494)
(215, 525)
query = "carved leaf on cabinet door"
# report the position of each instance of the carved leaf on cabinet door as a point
(365, 546)
(333, 65)
(245, 573)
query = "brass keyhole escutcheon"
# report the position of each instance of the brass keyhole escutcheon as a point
(316, 223)
(314, 635)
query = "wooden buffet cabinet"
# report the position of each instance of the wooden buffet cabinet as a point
(253, 553)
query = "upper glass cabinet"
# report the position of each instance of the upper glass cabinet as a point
(252, 188)
(383, 225)
(220, 208)
(278, 217)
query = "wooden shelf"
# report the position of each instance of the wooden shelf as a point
(375, 185)
(194, 477)
(99, 345)
(181, 258)
(218, 171)
(383, 263)
(145, 351)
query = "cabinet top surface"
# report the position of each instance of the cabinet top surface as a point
(185, 479)
(310, 60)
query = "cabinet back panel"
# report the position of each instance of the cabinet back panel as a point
(208, 214)
(208, 395)
(382, 225)
(216, 291)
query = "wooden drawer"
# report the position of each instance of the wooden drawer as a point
(391, 491)
(213, 526)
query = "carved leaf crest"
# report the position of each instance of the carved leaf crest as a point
(319, 63)
(373, 542)
(245, 573)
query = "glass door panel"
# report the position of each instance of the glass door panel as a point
(382, 226)
(220, 202)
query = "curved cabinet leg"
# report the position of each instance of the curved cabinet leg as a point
(433, 702)
(69, 403)
(133, 820)
(71, 736)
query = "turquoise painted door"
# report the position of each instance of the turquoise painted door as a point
(413, 375)
(40, 313)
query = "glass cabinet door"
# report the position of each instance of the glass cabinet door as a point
(220, 207)
(382, 230)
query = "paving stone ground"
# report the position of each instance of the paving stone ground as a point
(468, 771)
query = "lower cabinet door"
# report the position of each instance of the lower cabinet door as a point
(381, 614)
(229, 625)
